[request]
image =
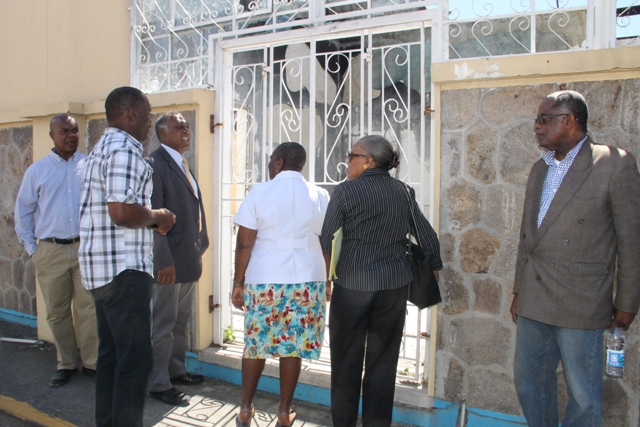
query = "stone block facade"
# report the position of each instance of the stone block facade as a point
(17, 274)
(487, 150)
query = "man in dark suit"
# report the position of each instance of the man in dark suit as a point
(177, 259)
(581, 219)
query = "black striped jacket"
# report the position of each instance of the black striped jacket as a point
(374, 212)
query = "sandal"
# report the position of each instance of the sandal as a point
(247, 423)
(289, 416)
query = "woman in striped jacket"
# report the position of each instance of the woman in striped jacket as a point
(373, 273)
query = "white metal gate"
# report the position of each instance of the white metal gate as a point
(324, 91)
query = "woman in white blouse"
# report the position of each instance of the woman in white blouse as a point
(280, 277)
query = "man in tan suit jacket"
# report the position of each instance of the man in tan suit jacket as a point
(581, 219)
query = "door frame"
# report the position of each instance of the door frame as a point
(221, 54)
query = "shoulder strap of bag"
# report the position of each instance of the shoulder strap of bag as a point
(412, 220)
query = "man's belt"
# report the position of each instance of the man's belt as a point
(61, 241)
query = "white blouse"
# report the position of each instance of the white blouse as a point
(288, 213)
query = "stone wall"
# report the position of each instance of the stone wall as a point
(487, 150)
(17, 274)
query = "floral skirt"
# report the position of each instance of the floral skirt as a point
(284, 320)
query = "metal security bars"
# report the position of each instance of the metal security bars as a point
(171, 38)
(324, 91)
(480, 28)
(628, 23)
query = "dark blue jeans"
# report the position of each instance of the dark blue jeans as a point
(124, 355)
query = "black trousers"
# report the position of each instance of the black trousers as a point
(377, 320)
(123, 309)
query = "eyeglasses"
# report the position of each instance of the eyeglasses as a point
(542, 118)
(350, 155)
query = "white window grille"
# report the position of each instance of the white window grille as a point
(482, 28)
(628, 23)
(170, 38)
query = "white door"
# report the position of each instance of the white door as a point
(325, 92)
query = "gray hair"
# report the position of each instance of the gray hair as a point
(161, 123)
(381, 151)
(575, 103)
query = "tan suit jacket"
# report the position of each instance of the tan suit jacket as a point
(565, 269)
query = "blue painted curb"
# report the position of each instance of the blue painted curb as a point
(443, 414)
(17, 317)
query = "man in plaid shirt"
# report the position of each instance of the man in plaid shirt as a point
(116, 261)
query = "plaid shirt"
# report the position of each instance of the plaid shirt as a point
(115, 172)
(555, 175)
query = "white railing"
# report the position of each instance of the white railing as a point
(628, 23)
(171, 38)
(482, 28)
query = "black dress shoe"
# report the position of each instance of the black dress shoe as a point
(188, 379)
(172, 397)
(61, 377)
(89, 373)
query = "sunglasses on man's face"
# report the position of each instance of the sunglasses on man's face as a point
(542, 118)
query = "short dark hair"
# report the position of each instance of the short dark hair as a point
(293, 155)
(381, 151)
(162, 121)
(120, 100)
(575, 103)
(60, 117)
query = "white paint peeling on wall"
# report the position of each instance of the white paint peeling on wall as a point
(509, 204)
(463, 72)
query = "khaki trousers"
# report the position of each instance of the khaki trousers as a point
(58, 274)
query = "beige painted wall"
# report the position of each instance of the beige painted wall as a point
(62, 51)
(583, 65)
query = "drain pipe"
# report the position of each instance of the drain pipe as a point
(462, 414)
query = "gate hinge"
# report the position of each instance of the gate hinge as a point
(368, 55)
(427, 102)
(265, 69)
(212, 306)
(212, 124)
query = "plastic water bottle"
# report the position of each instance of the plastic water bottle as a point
(615, 352)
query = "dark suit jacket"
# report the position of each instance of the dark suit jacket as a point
(183, 245)
(565, 269)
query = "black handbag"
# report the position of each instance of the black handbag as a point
(423, 290)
